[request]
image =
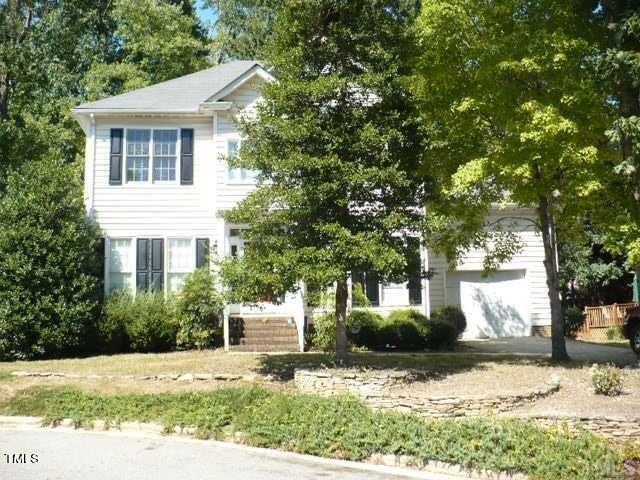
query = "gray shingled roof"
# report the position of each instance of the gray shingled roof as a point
(182, 94)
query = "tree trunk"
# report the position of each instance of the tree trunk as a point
(548, 226)
(4, 96)
(341, 321)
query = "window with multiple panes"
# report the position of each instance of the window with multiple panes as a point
(120, 265)
(180, 262)
(165, 154)
(151, 150)
(238, 174)
(138, 155)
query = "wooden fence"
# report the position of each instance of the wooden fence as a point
(598, 320)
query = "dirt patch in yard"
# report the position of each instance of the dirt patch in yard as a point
(494, 379)
(577, 398)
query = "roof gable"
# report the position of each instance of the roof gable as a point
(181, 95)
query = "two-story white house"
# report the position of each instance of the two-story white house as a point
(157, 180)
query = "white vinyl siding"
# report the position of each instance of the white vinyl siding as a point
(121, 266)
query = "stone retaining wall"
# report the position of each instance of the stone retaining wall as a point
(376, 389)
(613, 427)
(183, 377)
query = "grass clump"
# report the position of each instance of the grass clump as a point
(340, 427)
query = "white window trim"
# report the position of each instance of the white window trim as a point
(132, 258)
(107, 263)
(192, 260)
(228, 179)
(150, 180)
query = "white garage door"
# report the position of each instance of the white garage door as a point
(495, 306)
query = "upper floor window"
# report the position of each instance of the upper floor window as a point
(238, 174)
(151, 150)
(138, 155)
(164, 155)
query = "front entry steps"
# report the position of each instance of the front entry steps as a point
(263, 334)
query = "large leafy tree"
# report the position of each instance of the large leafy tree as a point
(337, 144)
(514, 117)
(50, 268)
(156, 40)
(619, 70)
(242, 27)
(46, 47)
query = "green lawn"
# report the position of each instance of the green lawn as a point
(280, 366)
(339, 427)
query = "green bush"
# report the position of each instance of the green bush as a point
(408, 314)
(144, 323)
(199, 308)
(401, 334)
(50, 264)
(440, 335)
(615, 333)
(452, 315)
(606, 380)
(112, 329)
(362, 328)
(324, 332)
(573, 320)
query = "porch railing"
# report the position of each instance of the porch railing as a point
(598, 320)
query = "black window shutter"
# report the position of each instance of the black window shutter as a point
(186, 156)
(150, 264)
(202, 252)
(157, 264)
(115, 162)
(142, 264)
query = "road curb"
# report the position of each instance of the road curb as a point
(385, 464)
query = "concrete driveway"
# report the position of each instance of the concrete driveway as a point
(582, 351)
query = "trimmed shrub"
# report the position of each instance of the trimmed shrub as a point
(440, 335)
(362, 328)
(50, 264)
(324, 332)
(112, 329)
(149, 321)
(452, 315)
(408, 314)
(606, 380)
(400, 333)
(573, 320)
(199, 308)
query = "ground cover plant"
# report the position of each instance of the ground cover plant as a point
(339, 427)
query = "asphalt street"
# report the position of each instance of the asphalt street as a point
(99, 456)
